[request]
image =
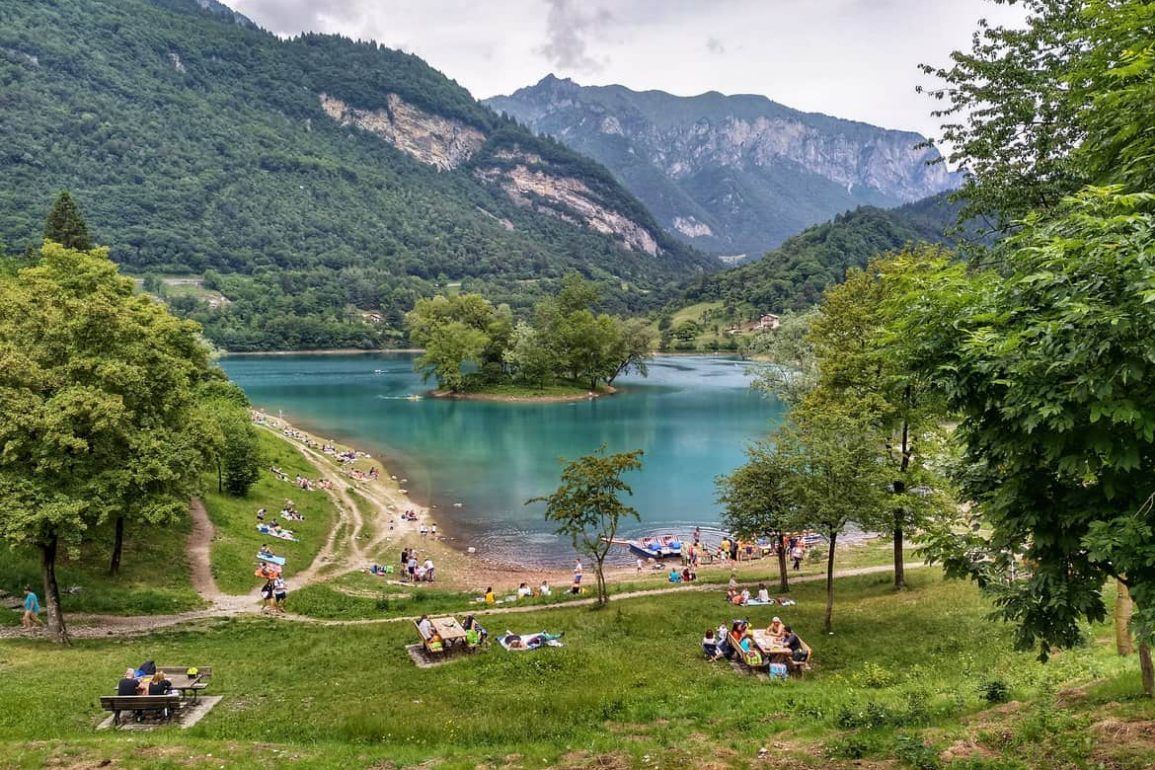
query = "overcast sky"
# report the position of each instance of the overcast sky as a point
(850, 58)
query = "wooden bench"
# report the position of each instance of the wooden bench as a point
(180, 679)
(800, 666)
(165, 704)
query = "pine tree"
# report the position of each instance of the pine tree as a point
(66, 226)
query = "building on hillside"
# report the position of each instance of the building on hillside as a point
(767, 323)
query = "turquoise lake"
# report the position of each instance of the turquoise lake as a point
(693, 416)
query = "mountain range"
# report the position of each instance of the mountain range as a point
(313, 182)
(733, 175)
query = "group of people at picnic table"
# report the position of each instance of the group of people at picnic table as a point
(779, 639)
(472, 632)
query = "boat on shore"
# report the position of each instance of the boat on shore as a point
(660, 547)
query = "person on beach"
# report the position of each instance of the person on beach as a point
(433, 530)
(31, 616)
(796, 553)
(524, 591)
(489, 597)
(544, 590)
(429, 570)
(411, 566)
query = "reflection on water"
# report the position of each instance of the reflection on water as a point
(692, 417)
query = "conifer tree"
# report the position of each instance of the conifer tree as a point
(66, 226)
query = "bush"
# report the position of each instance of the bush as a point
(911, 750)
(995, 691)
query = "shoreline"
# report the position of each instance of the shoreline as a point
(315, 352)
(500, 398)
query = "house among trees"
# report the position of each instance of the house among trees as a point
(767, 323)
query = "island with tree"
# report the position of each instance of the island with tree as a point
(563, 351)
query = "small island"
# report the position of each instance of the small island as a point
(563, 350)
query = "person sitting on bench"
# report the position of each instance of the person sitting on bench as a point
(471, 624)
(160, 685)
(797, 651)
(128, 685)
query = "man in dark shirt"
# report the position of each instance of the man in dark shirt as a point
(791, 640)
(128, 684)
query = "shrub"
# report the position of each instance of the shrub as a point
(911, 750)
(995, 691)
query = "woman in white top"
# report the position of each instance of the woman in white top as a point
(763, 594)
(544, 590)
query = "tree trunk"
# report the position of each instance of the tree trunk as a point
(783, 580)
(220, 478)
(56, 628)
(117, 547)
(828, 624)
(1146, 668)
(599, 573)
(1123, 607)
(899, 558)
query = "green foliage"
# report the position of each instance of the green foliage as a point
(755, 496)
(469, 344)
(1038, 111)
(99, 421)
(240, 455)
(199, 146)
(66, 226)
(587, 507)
(1048, 369)
(794, 275)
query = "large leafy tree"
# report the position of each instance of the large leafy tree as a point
(587, 506)
(830, 451)
(860, 361)
(1050, 369)
(757, 502)
(1034, 112)
(98, 385)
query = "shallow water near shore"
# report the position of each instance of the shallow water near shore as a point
(478, 462)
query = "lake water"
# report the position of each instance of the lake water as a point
(693, 416)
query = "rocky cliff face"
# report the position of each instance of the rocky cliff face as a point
(438, 141)
(731, 174)
(527, 179)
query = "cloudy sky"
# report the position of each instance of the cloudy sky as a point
(851, 58)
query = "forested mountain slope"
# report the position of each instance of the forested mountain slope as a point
(731, 174)
(794, 275)
(318, 184)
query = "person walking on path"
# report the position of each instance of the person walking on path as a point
(31, 617)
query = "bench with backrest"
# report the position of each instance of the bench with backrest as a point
(431, 647)
(180, 679)
(166, 705)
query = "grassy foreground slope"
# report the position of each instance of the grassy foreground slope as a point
(899, 685)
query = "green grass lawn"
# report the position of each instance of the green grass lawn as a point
(237, 540)
(153, 575)
(900, 679)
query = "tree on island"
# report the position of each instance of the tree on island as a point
(66, 226)
(587, 507)
(758, 504)
(468, 344)
(99, 420)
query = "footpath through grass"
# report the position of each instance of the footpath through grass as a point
(237, 539)
(900, 682)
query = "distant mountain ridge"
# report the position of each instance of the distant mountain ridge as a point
(314, 182)
(731, 174)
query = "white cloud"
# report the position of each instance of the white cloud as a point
(851, 58)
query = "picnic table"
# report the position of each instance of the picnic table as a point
(448, 629)
(770, 646)
(188, 685)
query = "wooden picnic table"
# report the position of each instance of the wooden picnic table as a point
(448, 629)
(770, 645)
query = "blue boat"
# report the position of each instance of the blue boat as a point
(661, 547)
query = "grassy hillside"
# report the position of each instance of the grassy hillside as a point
(200, 146)
(909, 681)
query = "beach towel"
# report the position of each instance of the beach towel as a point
(757, 603)
(284, 534)
(278, 560)
(533, 641)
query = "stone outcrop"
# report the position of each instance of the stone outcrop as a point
(438, 141)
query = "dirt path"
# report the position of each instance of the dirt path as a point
(104, 626)
(200, 542)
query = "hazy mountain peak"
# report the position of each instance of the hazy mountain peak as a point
(731, 173)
